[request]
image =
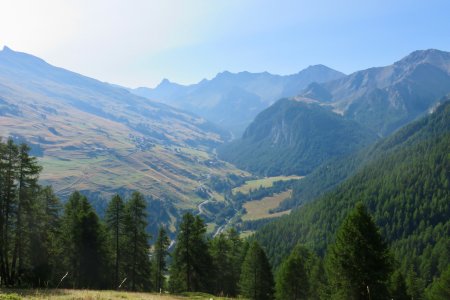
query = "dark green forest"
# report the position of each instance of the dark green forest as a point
(333, 172)
(407, 192)
(292, 137)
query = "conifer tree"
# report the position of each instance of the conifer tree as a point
(236, 258)
(226, 251)
(358, 262)
(440, 288)
(27, 175)
(8, 204)
(191, 267)
(44, 226)
(292, 280)
(115, 225)
(160, 254)
(256, 280)
(136, 259)
(414, 285)
(397, 286)
(220, 248)
(84, 244)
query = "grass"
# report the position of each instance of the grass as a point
(263, 182)
(259, 209)
(66, 294)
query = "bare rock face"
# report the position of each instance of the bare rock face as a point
(386, 98)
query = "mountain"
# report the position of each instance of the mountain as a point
(406, 188)
(232, 100)
(294, 137)
(386, 98)
(101, 139)
(333, 172)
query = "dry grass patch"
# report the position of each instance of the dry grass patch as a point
(263, 182)
(66, 294)
(259, 209)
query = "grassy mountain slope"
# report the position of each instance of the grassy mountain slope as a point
(407, 191)
(101, 139)
(232, 100)
(294, 137)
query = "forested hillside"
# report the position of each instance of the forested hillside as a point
(335, 171)
(407, 190)
(294, 137)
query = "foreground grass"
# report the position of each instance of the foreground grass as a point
(65, 294)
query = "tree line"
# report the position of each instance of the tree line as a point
(44, 243)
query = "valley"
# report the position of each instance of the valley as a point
(372, 143)
(102, 140)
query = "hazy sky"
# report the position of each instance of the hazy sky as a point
(138, 43)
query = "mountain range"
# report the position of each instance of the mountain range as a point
(291, 138)
(101, 139)
(232, 100)
(386, 98)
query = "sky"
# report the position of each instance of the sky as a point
(139, 42)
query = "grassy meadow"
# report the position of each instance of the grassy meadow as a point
(66, 294)
(259, 209)
(263, 182)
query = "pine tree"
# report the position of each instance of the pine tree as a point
(414, 285)
(27, 175)
(115, 226)
(358, 262)
(226, 252)
(237, 256)
(292, 280)
(440, 288)
(136, 259)
(8, 205)
(45, 224)
(160, 254)
(84, 244)
(220, 248)
(256, 280)
(397, 286)
(191, 267)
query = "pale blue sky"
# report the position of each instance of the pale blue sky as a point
(138, 43)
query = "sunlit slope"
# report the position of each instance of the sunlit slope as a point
(94, 137)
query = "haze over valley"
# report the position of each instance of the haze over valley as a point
(224, 150)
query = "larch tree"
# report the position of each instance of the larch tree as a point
(358, 263)
(84, 244)
(191, 266)
(256, 280)
(115, 218)
(292, 282)
(160, 254)
(440, 288)
(137, 265)
(397, 286)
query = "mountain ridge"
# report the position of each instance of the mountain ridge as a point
(394, 95)
(294, 137)
(215, 99)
